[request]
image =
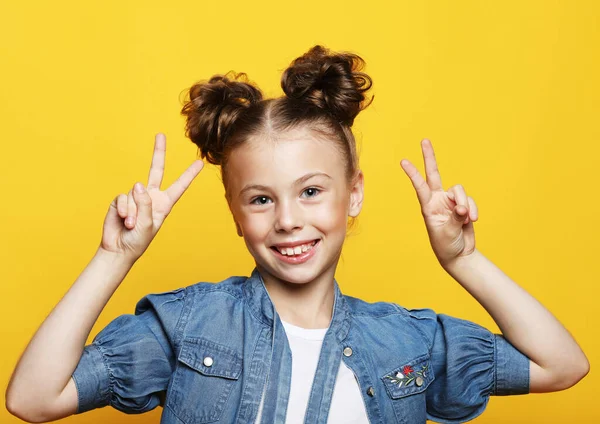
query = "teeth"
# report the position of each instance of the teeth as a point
(291, 251)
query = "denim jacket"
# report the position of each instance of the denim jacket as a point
(207, 352)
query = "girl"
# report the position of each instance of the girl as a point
(284, 345)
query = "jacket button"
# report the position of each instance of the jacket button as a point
(208, 361)
(347, 351)
(371, 391)
(419, 381)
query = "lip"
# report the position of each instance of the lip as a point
(294, 243)
(297, 259)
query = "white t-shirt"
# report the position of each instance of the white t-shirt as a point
(347, 405)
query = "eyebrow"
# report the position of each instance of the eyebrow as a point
(300, 180)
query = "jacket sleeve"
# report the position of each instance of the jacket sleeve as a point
(470, 363)
(129, 363)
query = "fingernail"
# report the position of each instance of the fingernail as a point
(129, 221)
(139, 187)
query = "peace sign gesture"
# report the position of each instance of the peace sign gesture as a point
(448, 215)
(133, 219)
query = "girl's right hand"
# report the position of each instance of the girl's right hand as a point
(133, 219)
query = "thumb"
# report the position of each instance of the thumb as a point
(143, 202)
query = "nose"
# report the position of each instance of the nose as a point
(288, 217)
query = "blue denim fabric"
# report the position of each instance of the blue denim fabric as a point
(158, 357)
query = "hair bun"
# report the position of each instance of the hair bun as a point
(329, 81)
(213, 108)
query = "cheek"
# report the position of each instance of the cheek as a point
(332, 216)
(256, 226)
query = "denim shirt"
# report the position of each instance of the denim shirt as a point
(207, 352)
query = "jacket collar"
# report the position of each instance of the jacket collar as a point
(262, 307)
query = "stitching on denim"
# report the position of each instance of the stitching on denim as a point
(404, 313)
(111, 377)
(361, 314)
(349, 300)
(495, 385)
(78, 393)
(367, 381)
(256, 313)
(216, 287)
(216, 346)
(175, 299)
(167, 405)
(247, 382)
(160, 344)
(180, 325)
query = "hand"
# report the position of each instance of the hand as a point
(133, 219)
(449, 215)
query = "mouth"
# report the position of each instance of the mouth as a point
(295, 254)
(294, 250)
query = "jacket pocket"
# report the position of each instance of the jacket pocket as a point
(204, 377)
(406, 385)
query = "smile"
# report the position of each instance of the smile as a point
(295, 250)
(295, 254)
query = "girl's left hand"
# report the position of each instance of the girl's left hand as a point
(449, 215)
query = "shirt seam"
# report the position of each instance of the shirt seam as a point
(495, 385)
(178, 330)
(215, 287)
(78, 393)
(111, 379)
(412, 324)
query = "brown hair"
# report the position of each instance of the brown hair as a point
(324, 91)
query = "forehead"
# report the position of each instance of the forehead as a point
(280, 160)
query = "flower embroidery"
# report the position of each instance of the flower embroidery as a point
(408, 376)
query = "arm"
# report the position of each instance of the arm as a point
(524, 322)
(41, 388)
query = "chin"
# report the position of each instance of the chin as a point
(293, 275)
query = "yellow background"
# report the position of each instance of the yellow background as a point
(507, 92)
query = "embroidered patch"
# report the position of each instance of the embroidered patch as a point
(409, 376)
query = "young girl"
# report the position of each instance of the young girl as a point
(285, 345)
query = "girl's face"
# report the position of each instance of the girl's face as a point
(290, 199)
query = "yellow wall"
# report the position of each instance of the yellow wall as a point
(508, 93)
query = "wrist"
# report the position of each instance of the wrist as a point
(461, 262)
(113, 259)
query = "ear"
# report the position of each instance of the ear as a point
(237, 226)
(357, 193)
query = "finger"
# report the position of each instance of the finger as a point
(419, 184)
(112, 217)
(143, 203)
(434, 179)
(462, 203)
(460, 214)
(131, 211)
(460, 195)
(157, 168)
(183, 182)
(472, 207)
(121, 204)
(468, 230)
(473, 212)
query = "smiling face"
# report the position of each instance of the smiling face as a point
(291, 199)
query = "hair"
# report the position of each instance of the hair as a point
(323, 92)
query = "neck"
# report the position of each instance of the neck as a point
(307, 305)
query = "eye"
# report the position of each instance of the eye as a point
(311, 192)
(260, 200)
